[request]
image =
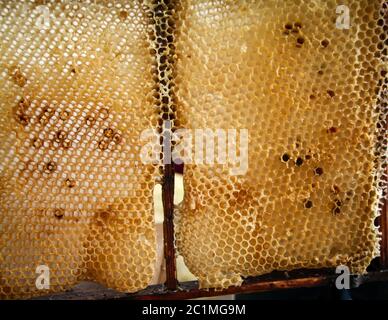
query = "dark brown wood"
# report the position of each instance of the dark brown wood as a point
(384, 236)
(383, 148)
(168, 226)
(162, 44)
(300, 279)
(190, 290)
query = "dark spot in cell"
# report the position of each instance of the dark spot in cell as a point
(299, 42)
(103, 144)
(104, 113)
(288, 26)
(312, 97)
(23, 105)
(320, 72)
(108, 132)
(61, 135)
(318, 171)
(104, 215)
(324, 43)
(48, 111)
(165, 100)
(336, 189)
(308, 204)
(20, 112)
(307, 157)
(332, 130)
(51, 166)
(66, 143)
(162, 68)
(299, 161)
(163, 59)
(70, 183)
(331, 93)
(298, 25)
(162, 42)
(90, 120)
(45, 115)
(73, 71)
(338, 203)
(117, 138)
(18, 77)
(285, 157)
(65, 114)
(313, 185)
(22, 119)
(37, 143)
(123, 15)
(39, 2)
(58, 214)
(336, 210)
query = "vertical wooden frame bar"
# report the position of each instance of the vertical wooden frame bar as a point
(162, 11)
(384, 237)
(168, 226)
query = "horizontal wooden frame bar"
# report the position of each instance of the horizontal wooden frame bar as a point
(190, 290)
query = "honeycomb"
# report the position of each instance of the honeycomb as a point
(81, 79)
(77, 88)
(313, 98)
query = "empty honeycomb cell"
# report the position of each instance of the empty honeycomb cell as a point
(74, 97)
(311, 96)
